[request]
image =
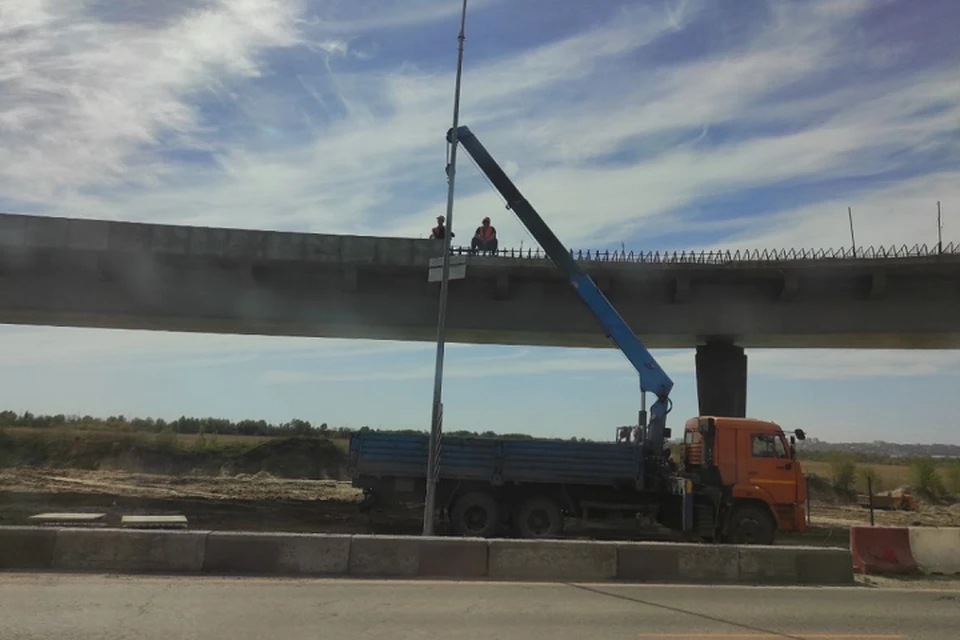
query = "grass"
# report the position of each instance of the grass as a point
(890, 476)
(182, 441)
(87, 446)
(186, 440)
(169, 453)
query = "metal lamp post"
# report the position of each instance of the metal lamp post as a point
(437, 413)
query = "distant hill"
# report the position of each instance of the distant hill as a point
(881, 448)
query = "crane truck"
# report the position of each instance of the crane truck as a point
(737, 480)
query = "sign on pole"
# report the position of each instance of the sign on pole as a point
(458, 268)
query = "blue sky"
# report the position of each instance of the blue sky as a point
(654, 125)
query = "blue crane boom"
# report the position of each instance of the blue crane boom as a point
(652, 378)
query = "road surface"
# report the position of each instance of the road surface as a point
(80, 607)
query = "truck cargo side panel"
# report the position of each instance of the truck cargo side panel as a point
(382, 455)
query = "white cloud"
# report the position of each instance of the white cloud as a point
(80, 99)
(62, 346)
(375, 147)
(897, 214)
(807, 364)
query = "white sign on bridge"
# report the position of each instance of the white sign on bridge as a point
(458, 268)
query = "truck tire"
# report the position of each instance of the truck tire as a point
(539, 518)
(475, 515)
(749, 524)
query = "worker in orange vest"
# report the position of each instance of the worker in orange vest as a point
(440, 231)
(485, 239)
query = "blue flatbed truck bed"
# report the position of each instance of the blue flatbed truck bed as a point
(528, 483)
(497, 460)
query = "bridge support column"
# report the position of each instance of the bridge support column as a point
(722, 380)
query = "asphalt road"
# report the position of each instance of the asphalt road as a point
(35, 606)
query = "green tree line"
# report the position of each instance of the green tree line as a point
(211, 426)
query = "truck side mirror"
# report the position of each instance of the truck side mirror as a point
(793, 448)
(800, 434)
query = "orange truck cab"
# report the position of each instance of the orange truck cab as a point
(748, 476)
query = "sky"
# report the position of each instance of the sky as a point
(647, 125)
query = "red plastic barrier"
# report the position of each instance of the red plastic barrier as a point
(882, 550)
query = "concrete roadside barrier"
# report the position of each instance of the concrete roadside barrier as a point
(415, 556)
(257, 553)
(27, 547)
(793, 565)
(552, 560)
(384, 556)
(463, 558)
(936, 550)
(674, 562)
(129, 551)
(883, 550)
(299, 554)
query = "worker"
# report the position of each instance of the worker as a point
(485, 239)
(440, 231)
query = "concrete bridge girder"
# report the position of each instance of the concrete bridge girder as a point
(73, 272)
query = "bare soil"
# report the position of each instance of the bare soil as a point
(257, 502)
(263, 502)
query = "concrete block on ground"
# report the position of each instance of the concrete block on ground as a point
(277, 553)
(147, 521)
(673, 562)
(386, 556)
(767, 565)
(322, 248)
(314, 554)
(552, 560)
(936, 549)
(60, 519)
(648, 562)
(826, 566)
(453, 557)
(793, 565)
(129, 551)
(88, 235)
(28, 548)
(709, 563)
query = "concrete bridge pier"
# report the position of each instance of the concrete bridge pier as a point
(722, 379)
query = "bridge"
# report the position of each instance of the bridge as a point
(98, 273)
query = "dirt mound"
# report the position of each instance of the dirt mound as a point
(822, 490)
(310, 458)
(298, 457)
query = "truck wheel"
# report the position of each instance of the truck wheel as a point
(749, 525)
(475, 515)
(539, 518)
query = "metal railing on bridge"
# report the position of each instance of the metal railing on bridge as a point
(732, 257)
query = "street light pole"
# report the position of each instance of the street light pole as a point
(437, 413)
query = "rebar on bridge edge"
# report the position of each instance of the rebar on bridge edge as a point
(433, 449)
(739, 256)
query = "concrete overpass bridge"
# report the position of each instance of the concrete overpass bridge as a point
(95, 273)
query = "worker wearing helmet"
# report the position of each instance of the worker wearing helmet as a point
(440, 231)
(485, 238)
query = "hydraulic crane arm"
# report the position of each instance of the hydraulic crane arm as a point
(652, 377)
